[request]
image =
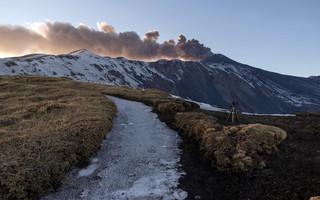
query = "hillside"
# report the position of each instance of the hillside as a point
(50, 125)
(315, 77)
(217, 80)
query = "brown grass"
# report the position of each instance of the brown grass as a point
(170, 107)
(150, 97)
(48, 125)
(45, 129)
(237, 148)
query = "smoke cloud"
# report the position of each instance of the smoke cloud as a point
(59, 38)
(103, 26)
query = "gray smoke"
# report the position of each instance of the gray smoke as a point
(152, 35)
(59, 38)
(105, 27)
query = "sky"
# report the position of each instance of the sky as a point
(279, 36)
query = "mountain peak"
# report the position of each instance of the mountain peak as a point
(83, 52)
(219, 58)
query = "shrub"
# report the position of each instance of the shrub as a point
(237, 148)
(170, 107)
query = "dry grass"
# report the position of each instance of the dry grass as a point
(238, 148)
(150, 97)
(46, 128)
(170, 107)
(48, 125)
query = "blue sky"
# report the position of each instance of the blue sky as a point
(280, 36)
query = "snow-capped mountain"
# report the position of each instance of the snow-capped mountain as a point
(217, 80)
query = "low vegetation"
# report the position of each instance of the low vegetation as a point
(45, 129)
(237, 148)
(48, 125)
(291, 173)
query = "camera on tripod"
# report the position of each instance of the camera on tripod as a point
(233, 116)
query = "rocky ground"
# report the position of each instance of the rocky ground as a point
(292, 173)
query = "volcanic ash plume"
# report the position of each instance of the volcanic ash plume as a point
(58, 38)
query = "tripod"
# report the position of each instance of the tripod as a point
(233, 114)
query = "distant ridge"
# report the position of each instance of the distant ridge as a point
(219, 58)
(217, 80)
(315, 77)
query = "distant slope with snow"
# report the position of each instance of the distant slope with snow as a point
(217, 80)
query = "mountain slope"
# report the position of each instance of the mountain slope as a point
(217, 80)
(315, 77)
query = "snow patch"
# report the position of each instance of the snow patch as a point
(203, 106)
(90, 169)
(206, 106)
(276, 115)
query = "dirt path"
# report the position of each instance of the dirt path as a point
(138, 160)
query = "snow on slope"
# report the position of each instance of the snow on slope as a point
(138, 160)
(205, 106)
(80, 65)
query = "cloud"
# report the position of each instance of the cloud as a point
(103, 26)
(182, 39)
(59, 37)
(152, 35)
